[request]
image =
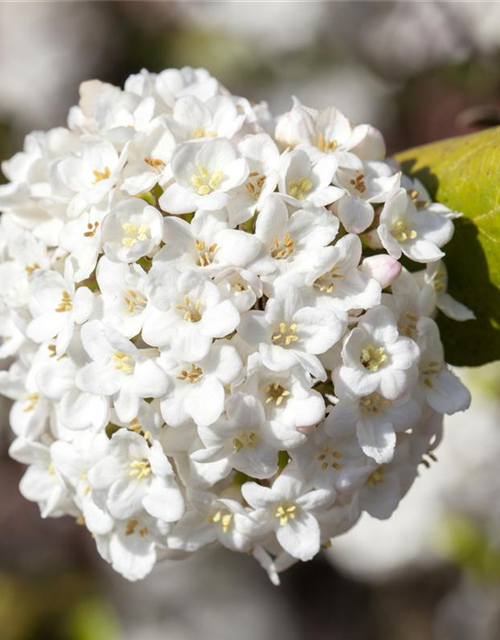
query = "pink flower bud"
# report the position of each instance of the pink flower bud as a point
(383, 268)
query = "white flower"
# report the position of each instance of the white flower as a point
(57, 306)
(287, 508)
(442, 389)
(418, 233)
(287, 397)
(87, 178)
(193, 119)
(72, 462)
(82, 239)
(149, 157)
(214, 517)
(303, 182)
(133, 230)
(197, 387)
(332, 458)
(189, 312)
(336, 280)
(263, 158)
(328, 132)
(292, 242)
(376, 420)
(248, 441)
(40, 482)
(210, 335)
(207, 243)
(136, 476)
(204, 172)
(133, 547)
(287, 333)
(376, 358)
(119, 369)
(124, 297)
(365, 184)
(436, 275)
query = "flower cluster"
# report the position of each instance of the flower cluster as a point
(210, 334)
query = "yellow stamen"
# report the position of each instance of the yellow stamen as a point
(326, 145)
(248, 440)
(283, 250)
(101, 175)
(285, 512)
(194, 374)
(66, 303)
(401, 232)
(276, 393)
(192, 313)
(140, 468)
(123, 361)
(285, 336)
(377, 477)
(372, 358)
(136, 233)
(205, 182)
(300, 188)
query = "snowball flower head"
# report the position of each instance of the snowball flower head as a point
(201, 350)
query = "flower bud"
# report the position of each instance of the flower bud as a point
(383, 268)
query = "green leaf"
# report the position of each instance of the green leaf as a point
(464, 174)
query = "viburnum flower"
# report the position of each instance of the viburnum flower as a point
(207, 330)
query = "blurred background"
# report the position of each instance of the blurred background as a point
(419, 71)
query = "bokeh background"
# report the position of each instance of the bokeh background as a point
(420, 72)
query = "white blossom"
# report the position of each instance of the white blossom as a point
(207, 332)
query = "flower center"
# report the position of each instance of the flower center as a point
(201, 132)
(135, 233)
(408, 324)
(419, 204)
(156, 163)
(139, 469)
(377, 477)
(326, 145)
(193, 374)
(431, 369)
(329, 457)
(373, 404)
(255, 184)
(246, 439)
(326, 282)
(372, 358)
(91, 229)
(101, 175)
(205, 182)
(439, 281)
(359, 183)
(205, 255)
(123, 362)
(402, 232)
(191, 313)
(285, 335)
(135, 301)
(300, 188)
(222, 517)
(131, 527)
(66, 303)
(276, 393)
(285, 512)
(31, 401)
(283, 250)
